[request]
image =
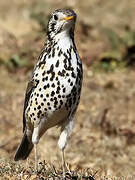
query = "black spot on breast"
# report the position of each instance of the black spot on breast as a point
(41, 95)
(54, 43)
(43, 73)
(64, 90)
(65, 55)
(51, 69)
(61, 102)
(38, 114)
(46, 78)
(39, 107)
(60, 52)
(68, 51)
(48, 85)
(61, 73)
(55, 98)
(73, 75)
(42, 104)
(53, 52)
(71, 84)
(43, 79)
(58, 90)
(57, 63)
(51, 99)
(58, 83)
(53, 76)
(45, 87)
(59, 96)
(49, 56)
(55, 102)
(69, 67)
(53, 85)
(65, 61)
(40, 63)
(52, 93)
(48, 50)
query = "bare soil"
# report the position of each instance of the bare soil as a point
(103, 140)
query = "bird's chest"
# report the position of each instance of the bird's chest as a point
(58, 71)
(58, 87)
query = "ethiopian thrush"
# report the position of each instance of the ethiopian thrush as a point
(53, 92)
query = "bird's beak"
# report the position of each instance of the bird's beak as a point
(68, 18)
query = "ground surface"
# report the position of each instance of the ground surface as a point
(103, 139)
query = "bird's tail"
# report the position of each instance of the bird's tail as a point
(24, 148)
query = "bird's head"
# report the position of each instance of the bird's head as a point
(61, 20)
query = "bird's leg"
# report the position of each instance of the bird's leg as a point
(27, 165)
(35, 140)
(36, 158)
(63, 165)
(65, 132)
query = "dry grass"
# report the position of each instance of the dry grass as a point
(102, 144)
(11, 170)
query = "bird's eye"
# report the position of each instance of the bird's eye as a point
(55, 17)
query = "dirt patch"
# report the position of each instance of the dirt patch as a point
(103, 137)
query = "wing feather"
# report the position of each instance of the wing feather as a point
(30, 87)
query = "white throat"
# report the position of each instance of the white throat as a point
(64, 40)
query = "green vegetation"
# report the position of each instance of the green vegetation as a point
(121, 53)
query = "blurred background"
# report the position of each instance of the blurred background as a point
(104, 135)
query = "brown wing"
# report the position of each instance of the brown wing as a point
(31, 85)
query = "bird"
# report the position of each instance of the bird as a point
(54, 89)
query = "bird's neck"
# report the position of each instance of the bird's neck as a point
(64, 40)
